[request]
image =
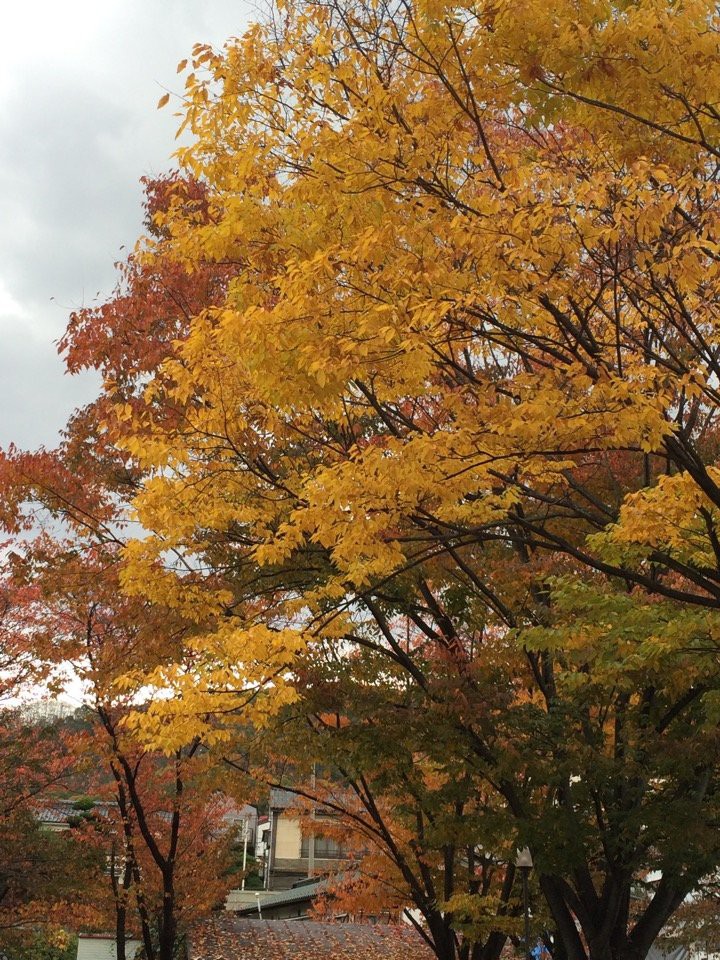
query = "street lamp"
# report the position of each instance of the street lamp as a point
(524, 863)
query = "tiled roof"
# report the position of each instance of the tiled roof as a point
(53, 814)
(245, 812)
(235, 938)
(62, 811)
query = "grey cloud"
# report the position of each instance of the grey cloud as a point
(76, 134)
(36, 398)
(63, 200)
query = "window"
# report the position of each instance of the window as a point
(325, 849)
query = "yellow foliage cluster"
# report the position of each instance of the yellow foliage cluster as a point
(476, 254)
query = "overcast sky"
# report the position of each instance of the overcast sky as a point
(79, 82)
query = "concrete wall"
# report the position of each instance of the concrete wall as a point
(103, 948)
(288, 839)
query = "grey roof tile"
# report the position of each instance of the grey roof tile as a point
(230, 937)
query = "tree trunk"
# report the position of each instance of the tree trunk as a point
(120, 924)
(120, 893)
(492, 948)
(606, 933)
(444, 940)
(558, 947)
(168, 923)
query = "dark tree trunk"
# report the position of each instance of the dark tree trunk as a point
(443, 937)
(493, 947)
(168, 923)
(589, 927)
(120, 889)
(558, 950)
(120, 929)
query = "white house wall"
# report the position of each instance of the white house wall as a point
(103, 948)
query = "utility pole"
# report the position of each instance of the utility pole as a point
(311, 839)
(245, 843)
(524, 863)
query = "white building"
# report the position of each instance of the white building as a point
(102, 946)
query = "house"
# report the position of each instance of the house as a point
(228, 937)
(291, 856)
(243, 822)
(291, 853)
(293, 904)
(54, 817)
(59, 815)
(262, 844)
(101, 946)
(245, 901)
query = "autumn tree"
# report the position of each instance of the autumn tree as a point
(160, 824)
(161, 829)
(44, 877)
(46, 884)
(457, 368)
(463, 373)
(696, 922)
(67, 513)
(374, 769)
